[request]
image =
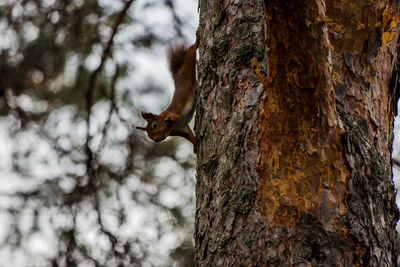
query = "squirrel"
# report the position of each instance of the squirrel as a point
(174, 121)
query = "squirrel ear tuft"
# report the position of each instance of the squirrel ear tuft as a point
(169, 121)
(147, 116)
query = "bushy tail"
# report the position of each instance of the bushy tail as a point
(176, 56)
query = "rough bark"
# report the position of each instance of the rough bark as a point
(294, 130)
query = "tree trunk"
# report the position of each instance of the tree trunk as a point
(294, 130)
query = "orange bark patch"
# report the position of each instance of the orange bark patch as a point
(389, 24)
(301, 161)
(300, 172)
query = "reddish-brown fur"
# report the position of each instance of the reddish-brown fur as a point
(174, 120)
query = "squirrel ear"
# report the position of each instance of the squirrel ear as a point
(147, 116)
(168, 121)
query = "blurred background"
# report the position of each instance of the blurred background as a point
(79, 185)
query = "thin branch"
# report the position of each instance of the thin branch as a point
(106, 52)
(113, 108)
(92, 81)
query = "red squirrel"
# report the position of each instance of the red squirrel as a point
(174, 121)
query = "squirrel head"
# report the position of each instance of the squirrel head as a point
(158, 127)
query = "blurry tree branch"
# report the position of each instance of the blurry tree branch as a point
(64, 184)
(92, 82)
(113, 108)
(106, 53)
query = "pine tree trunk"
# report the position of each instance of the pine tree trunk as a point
(294, 130)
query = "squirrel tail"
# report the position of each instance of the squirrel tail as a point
(176, 56)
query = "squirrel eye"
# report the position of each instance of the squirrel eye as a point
(154, 125)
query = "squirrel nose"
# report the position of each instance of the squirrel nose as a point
(158, 139)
